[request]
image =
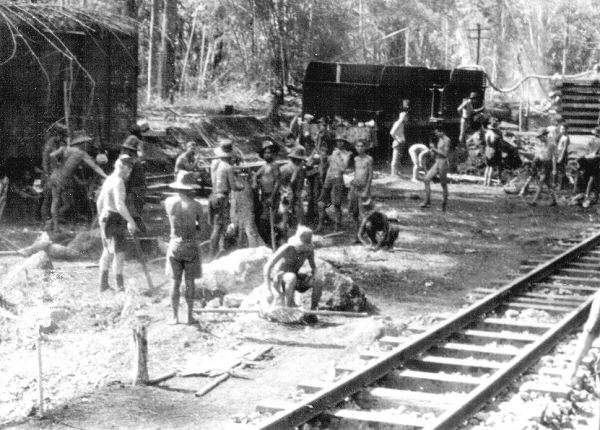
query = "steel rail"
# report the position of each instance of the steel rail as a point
(327, 398)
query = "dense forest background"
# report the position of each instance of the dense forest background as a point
(194, 47)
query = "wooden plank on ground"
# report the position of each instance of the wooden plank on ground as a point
(477, 350)
(379, 418)
(517, 324)
(547, 308)
(554, 390)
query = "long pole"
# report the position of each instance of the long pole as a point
(150, 50)
(478, 41)
(406, 39)
(40, 374)
(187, 52)
(565, 49)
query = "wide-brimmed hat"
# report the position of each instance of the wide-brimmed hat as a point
(342, 138)
(308, 117)
(596, 131)
(298, 153)
(132, 142)
(79, 137)
(226, 145)
(541, 132)
(473, 95)
(184, 181)
(366, 201)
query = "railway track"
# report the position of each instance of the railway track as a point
(438, 379)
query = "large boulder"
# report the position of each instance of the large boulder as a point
(339, 292)
(240, 271)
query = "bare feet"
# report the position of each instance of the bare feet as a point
(173, 321)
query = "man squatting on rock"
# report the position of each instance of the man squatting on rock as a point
(183, 255)
(441, 148)
(360, 187)
(115, 221)
(281, 271)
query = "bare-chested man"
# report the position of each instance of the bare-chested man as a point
(292, 184)
(376, 230)
(266, 182)
(187, 160)
(223, 183)
(281, 273)
(115, 221)
(62, 179)
(441, 148)
(333, 189)
(183, 256)
(57, 139)
(545, 165)
(467, 112)
(360, 187)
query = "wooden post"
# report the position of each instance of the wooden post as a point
(140, 363)
(40, 374)
(153, 8)
(406, 40)
(66, 108)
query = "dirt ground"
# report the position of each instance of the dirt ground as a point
(439, 259)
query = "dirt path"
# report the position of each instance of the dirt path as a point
(439, 260)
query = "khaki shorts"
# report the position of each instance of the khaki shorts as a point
(332, 192)
(114, 232)
(220, 208)
(183, 258)
(440, 168)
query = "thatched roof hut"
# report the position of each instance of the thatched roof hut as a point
(55, 59)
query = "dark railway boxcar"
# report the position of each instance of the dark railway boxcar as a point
(372, 91)
(101, 75)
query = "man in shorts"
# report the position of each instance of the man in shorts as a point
(545, 165)
(281, 272)
(360, 187)
(115, 222)
(183, 255)
(333, 189)
(398, 134)
(440, 148)
(223, 183)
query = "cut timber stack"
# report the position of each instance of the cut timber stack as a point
(579, 104)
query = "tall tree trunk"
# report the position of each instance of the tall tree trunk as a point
(166, 70)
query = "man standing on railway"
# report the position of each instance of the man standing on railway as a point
(441, 149)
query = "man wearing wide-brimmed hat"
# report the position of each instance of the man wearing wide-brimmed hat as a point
(57, 138)
(136, 184)
(266, 183)
(282, 271)
(223, 183)
(115, 222)
(292, 184)
(183, 255)
(544, 163)
(467, 111)
(333, 186)
(62, 179)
